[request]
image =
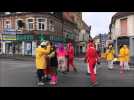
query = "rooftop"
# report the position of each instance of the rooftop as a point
(88, 28)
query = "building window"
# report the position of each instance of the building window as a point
(123, 23)
(30, 24)
(7, 24)
(20, 24)
(51, 26)
(41, 24)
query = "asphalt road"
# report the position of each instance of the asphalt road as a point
(16, 73)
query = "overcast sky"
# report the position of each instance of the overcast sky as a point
(98, 20)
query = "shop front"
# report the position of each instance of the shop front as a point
(8, 43)
(25, 44)
(129, 41)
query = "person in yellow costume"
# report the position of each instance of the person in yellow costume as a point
(122, 57)
(41, 63)
(126, 67)
(110, 56)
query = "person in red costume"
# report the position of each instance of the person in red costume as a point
(88, 70)
(91, 56)
(70, 56)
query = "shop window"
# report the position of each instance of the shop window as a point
(28, 48)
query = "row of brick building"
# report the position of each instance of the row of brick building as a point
(21, 32)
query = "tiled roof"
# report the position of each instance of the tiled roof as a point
(121, 14)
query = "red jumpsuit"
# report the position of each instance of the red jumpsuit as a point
(70, 53)
(91, 56)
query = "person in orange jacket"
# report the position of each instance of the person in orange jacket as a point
(91, 56)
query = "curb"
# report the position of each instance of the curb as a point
(18, 58)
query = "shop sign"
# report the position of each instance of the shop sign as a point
(51, 37)
(69, 35)
(43, 37)
(56, 38)
(24, 37)
(8, 37)
(9, 31)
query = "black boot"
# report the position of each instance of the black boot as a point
(75, 69)
(64, 72)
(67, 70)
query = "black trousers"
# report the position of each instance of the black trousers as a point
(40, 74)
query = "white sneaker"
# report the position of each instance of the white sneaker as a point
(128, 69)
(52, 83)
(110, 68)
(40, 83)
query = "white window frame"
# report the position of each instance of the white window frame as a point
(9, 25)
(45, 23)
(17, 24)
(51, 26)
(27, 24)
(122, 31)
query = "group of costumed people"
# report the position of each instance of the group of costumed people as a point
(51, 59)
(122, 57)
(93, 58)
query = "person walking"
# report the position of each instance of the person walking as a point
(61, 54)
(127, 67)
(86, 60)
(92, 58)
(70, 54)
(42, 51)
(110, 56)
(124, 58)
(53, 64)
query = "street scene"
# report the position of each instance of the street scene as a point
(66, 49)
(24, 75)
